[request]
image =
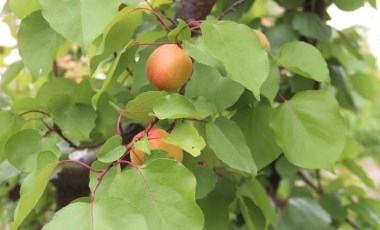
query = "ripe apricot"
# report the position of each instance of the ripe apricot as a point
(263, 39)
(155, 141)
(169, 67)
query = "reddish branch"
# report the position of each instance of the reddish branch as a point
(158, 16)
(80, 163)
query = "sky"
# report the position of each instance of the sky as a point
(365, 16)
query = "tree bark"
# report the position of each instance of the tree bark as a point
(189, 10)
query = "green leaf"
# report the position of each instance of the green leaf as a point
(22, 8)
(26, 104)
(310, 25)
(83, 92)
(223, 93)
(303, 213)
(79, 21)
(22, 149)
(181, 32)
(246, 51)
(206, 181)
(77, 120)
(305, 60)
(139, 71)
(373, 3)
(143, 145)
(204, 106)
(351, 149)
(348, 5)
(279, 35)
(117, 34)
(110, 213)
(141, 107)
(107, 179)
(226, 139)
(174, 106)
(340, 82)
(254, 122)
(111, 150)
(158, 3)
(367, 211)
(186, 137)
(366, 85)
(285, 168)
(291, 4)
(257, 194)
(29, 198)
(271, 85)
(215, 209)
(11, 73)
(332, 204)
(197, 50)
(9, 125)
(253, 217)
(106, 119)
(55, 86)
(166, 204)
(37, 43)
(359, 171)
(123, 59)
(310, 130)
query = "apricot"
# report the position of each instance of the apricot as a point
(263, 39)
(169, 67)
(155, 141)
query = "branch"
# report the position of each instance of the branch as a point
(350, 222)
(231, 8)
(318, 189)
(190, 10)
(59, 132)
(80, 163)
(309, 183)
(35, 111)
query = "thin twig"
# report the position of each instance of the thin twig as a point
(319, 190)
(318, 176)
(350, 222)
(193, 119)
(159, 18)
(82, 164)
(59, 132)
(55, 69)
(172, 126)
(309, 182)
(35, 111)
(130, 72)
(150, 124)
(231, 8)
(168, 18)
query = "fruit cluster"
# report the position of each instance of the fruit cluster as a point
(169, 68)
